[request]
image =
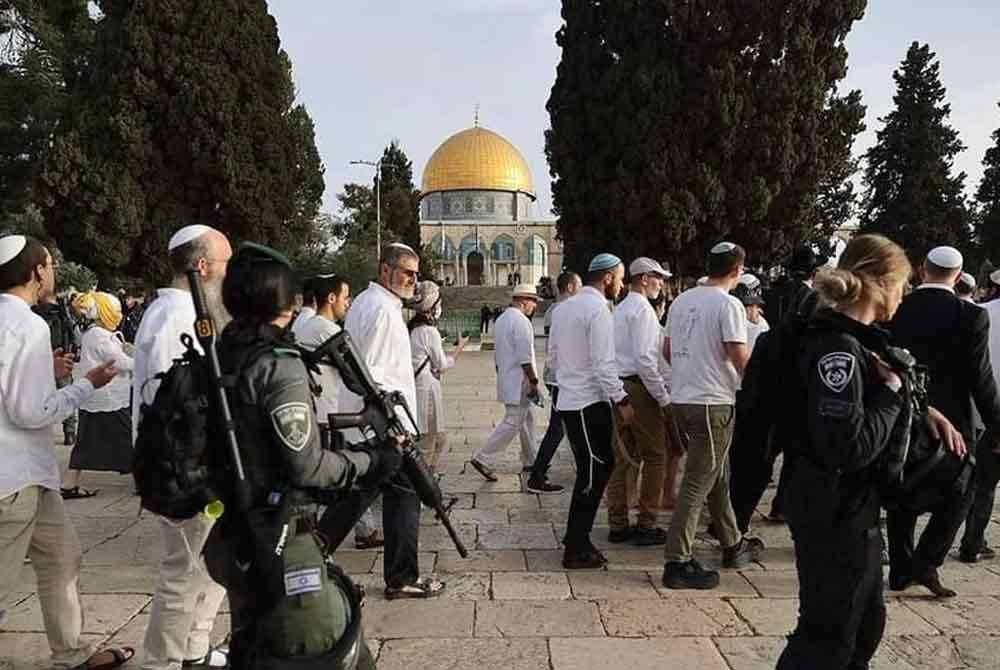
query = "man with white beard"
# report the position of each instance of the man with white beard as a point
(186, 599)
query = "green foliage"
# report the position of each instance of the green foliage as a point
(676, 124)
(988, 199)
(43, 49)
(400, 198)
(186, 115)
(911, 195)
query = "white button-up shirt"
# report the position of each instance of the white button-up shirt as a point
(514, 338)
(97, 347)
(31, 404)
(311, 335)
(550, 369)
(582, 344)
(375, 324)
(158, 343)
(943, 287)
(638, 344)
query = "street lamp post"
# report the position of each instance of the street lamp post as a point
(378, 202)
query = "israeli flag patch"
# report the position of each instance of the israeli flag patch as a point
(298, 582)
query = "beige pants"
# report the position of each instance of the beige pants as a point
(33, 523)
(431, 446)
(645, 437)
(186, 599)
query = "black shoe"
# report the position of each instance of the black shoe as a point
(619, 535)
(932, 582)
(745, 552)
(899, 582)
(968, 555)
(543, 487)
(587, 560)
(987, 554)
(689, 575)
(648, 537)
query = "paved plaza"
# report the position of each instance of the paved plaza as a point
(510, 604)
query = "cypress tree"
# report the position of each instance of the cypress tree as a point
(186, 115)
(988, 199)
(400, 198)
(911, 195)
(676, 124)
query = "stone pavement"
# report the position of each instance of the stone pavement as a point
(510, 604)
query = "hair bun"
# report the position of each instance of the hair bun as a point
(839, 287)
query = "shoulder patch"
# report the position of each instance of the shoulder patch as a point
(293, 423)
(836, 370)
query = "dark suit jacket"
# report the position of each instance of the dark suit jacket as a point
(951, 337)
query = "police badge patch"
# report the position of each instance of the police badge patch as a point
(293, 423)
(836, 370)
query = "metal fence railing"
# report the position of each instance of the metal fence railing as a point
(454, 322)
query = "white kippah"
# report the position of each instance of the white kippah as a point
(186, 234)
(11, 246)
(967, 279)
(749, 280)
(948, 258)
(723, 248)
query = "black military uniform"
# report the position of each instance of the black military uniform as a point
(279, 439)
(833, 500)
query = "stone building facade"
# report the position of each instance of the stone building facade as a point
(476, 214)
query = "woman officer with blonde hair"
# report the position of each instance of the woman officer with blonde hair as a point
(849, 401)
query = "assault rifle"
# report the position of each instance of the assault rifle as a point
(381, 416)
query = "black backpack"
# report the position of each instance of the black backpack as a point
(171, 463)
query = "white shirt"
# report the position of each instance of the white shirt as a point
(425, 345)
(582, 345)
(701, 320)
(993, 311)
(375, 324)
(514, 338)
(31, 405)
(158, 343)
(664, 364)
(755, 330)
(312, 333)
(637, 344)
(97, 347)
(304, 316)
(549, 376)
(943, 287)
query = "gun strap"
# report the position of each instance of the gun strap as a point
(422, 366)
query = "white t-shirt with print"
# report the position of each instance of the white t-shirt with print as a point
(700, 321)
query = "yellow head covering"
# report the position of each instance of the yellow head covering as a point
(101, 308)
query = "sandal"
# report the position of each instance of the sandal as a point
(76, 493)
(120, 657)
(424, 587)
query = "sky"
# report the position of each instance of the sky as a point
(370, 72)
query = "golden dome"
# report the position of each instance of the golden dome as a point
(477, 159)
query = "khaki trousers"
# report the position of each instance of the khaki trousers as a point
(33, 523)
(709, 432)
(645, 438)
(186, 599)
(431, 446)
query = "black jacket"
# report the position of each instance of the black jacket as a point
(850, 414)
(951, 337)
(275, 417)
(788, 296)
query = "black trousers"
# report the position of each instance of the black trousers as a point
(550, 442)
(751, 460)
(947, 516)
(400, 524)
(987, 477)
(591, 436)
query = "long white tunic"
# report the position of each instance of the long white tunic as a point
(158, 343)
(425, 345)
(515, 347)
(375, 324)
(30, 404)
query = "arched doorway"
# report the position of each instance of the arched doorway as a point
(474, 265)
